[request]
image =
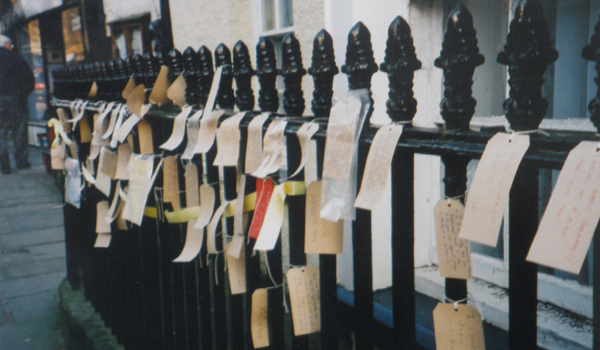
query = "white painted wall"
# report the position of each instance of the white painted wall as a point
(119, 9)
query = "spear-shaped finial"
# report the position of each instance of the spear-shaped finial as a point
(175, 64)
(243, 72)
(137, 65)
(151, 69)
(292, 71)
(205, 72)
(458, 58)
(360, 63)
(591, 52)
(190, 66)
(323, 69)
(225, 97)
(266, 70)
(527, 52)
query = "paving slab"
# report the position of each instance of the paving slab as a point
(35, 268)
(31, 238)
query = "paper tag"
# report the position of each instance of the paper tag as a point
(126, 127)
(259, 324)
(114, 140)
(108, 161)
(192, 196)
(93, 90)
(85, 133)
(458, 328)
(193, 243)
(124, 153)
(208, 129)
(264, 190)
(193, 126)
(377, 168)
(339, 142)
(135, 101)
(101, 126)
(228, 141)
(304, 135)
(80, 109)
(567, 227)
(72, 182)
(141, 179)
(236, 268)
(128, 88)
(87, 175)
(271, 227)
(176, 91)
(322, 236)
(207, 206)
(101, 212)
(103, 181)
(171, 182)
(158, 96)
(113, 121)
(305, 297)
(211, 239)
(178, 130)
(454, 254)
(145, 137)
(114, 208)
(57, 156)
(273, 149)
(488, 195)
(254, 145)
(237, 242)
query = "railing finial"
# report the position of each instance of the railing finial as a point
(591, 52)
(323, 69)
(151, 69)
(266, 70)
(225, 98)
(137, 65)
(292, 71)
(243, 72)
(190, 66)
(458, 58)
(400, 64)
(205, 72)
(175, 64)
(527, 52)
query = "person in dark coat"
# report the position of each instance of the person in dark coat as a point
(16, 83)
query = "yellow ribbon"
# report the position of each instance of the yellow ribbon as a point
(151, 212)
(294, 188)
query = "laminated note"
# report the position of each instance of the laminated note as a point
(490, 189)
(158, 96)
(454, 254)
(108, 161)
(228, 141)
(377, 168)
(176, 91)
(171, 182)
(141, 179)
(124, 153)
(207, 132)
(264, 190)
(236, 269)
(271, 227)
(259, 324)
(273, 149)
(304, 134)
(567, 227)
(321, 236)
(457, 327)
(305, 297)
(178, 130)
(254, 143)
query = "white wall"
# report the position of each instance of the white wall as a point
(122, 9)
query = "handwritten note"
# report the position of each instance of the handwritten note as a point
(254, 144)
(237, 242)
(108, 162)
(259, 324)
(236, 268)
(341, 134)
(192, 196)
(273, 148)
(377, 168)
(193, 126)
(454, 254)
(145, 137)
(124, 153)
(103, 181)
(305, 297)
(207, 132)
(488, 195)
(228, 141)
(171, 182)
(567, 227)
(135, 101)
(322, 236)
(178, 129)
(304, 135)
(457, 329)
(140, 184)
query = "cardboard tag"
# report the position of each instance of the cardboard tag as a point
(126, 127)
(305, 297)
(192, 196)
(237, 241)
(273, 149)
(236, 269)
(57, 156)
(458, 328)
(341, 134)
(488, 195)
(93, 90)
(178, 130)
(193, 243)
(304, 135)
(259, 324)
(101, 212)
(264, 190)
(158, 96)
(108, 161)
(85, 133)
(454, 254)
(271, 227)
(141, 179)
(145, 137)
(377, 168)
(211, 239)
(567, 227)
(128, 88)
(207, 132)
(171, 182)
(228, 141)
(207, 206)
(135, 101)
(254, 145)
(176, 91)
(124, 153)
(193, 127)
(321, 236)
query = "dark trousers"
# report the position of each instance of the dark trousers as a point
(13, 120)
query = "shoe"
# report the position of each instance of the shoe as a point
(24, 165)
(5, 163)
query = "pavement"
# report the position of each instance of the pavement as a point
(32, 258)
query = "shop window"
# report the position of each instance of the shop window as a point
(73, 35)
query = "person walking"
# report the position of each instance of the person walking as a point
(16, 83)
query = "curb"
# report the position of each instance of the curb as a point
(83, 328)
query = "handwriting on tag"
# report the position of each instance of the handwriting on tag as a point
(259, 318)
(176, 91)
(124, 153)
(141, 179)
(236, 268)
(228, 141)
(304, 135)
(341, 134)
(207, 132)
(178, 130)
(271, 227)
(264, 190)
(158, 96)
(305, 297)
(171, 182)
(454, 254)
(192, 196)
(128, 88)
(108, 162)
(254, 144)
(322, 236)
(488, 195)
(458, 328)
(273, 148)
(567, 227)
(377, 168)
